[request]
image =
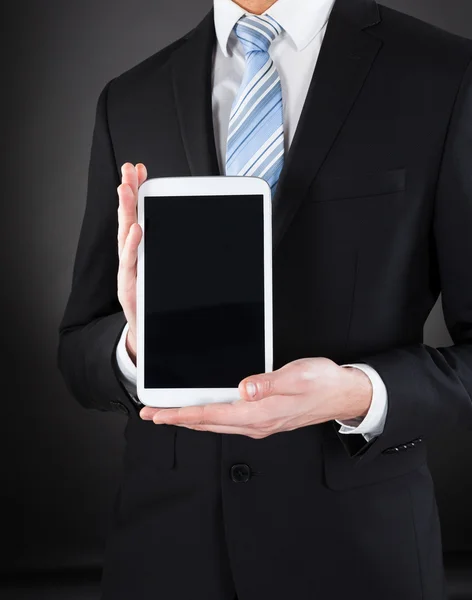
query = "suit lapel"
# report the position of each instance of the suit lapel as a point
(345, 59)
(191, 76)
(346, 55)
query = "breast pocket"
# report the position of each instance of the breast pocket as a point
(358, 185)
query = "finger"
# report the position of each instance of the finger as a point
(147, 413)
(287, 380)
(219, 429)
(129, 176)
(127, 208)
(142, 173)
(239, 413)
(128, 258)
(126, 213)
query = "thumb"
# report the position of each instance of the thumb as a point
(263, 385)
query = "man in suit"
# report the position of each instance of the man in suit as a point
(315, 484)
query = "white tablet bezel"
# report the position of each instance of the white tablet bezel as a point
(201, 186)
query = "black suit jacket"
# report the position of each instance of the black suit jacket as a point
(372, 219)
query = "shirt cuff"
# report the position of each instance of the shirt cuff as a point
(372, 424)
(126, 366)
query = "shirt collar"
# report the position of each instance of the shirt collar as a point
(301, 19)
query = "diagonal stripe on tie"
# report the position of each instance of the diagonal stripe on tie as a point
(255, 143)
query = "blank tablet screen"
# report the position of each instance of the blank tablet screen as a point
(203, 290)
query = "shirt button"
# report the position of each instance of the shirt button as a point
(240, 473)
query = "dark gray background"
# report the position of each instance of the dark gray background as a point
(61, 462)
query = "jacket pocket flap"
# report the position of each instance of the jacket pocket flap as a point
(359, 185)
(343, 472)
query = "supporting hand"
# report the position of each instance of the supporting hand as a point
(303, 392)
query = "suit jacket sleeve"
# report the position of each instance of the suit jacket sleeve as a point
(428, 387)
(93, 319)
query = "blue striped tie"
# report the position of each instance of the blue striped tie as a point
(255, 134)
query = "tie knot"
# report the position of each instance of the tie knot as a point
(257, 32)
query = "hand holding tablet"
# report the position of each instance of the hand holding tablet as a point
(129, 236)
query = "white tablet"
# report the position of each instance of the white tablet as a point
(204, 288)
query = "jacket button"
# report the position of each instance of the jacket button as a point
(240, 473)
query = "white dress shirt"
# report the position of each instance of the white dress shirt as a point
(294, 52)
